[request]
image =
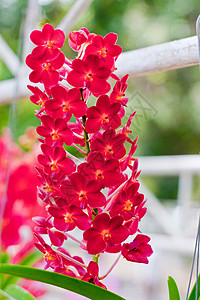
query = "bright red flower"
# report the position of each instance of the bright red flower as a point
(138, 250)
(106, 232)
(92, 274)
(77, 38)
(55, 161)
(44, 71)
(55, 131)
(66, 102)
(109, 144)
(51, 257)
(83, 193)
(39, 98)
(104, 115)
(126, 202)
(70, 268)
(106, 173)
(90, 74)
(42, 225)
(49, 40)
(66, 218)
(105, 48)
(118, 92)
(138, 213)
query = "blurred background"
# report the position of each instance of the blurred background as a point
(169, 124)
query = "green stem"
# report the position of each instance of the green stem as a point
(87, 146)
(96, 258)
(86, 138)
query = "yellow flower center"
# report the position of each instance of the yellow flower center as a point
(128, 205)
(108, 149)
(46, 66)
(68, 218)
(55, 136)
(106, 235)
(88, 76)
(82, 195)
(104, 118)
(66, 107)
(119, 96)
(99, 174)
(49, 256)
(54, 166)
(103, 52)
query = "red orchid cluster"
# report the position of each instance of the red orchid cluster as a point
(95, 195)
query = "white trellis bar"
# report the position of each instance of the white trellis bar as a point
(72, 16)
(159, 58)
(10, 59)
(168, 56)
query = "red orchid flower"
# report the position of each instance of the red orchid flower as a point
(92, 274)
(105, 232)
(49, 40)
(83, 193)
(66, 218)
(66, 102)
(55, 131)
(106, 173)
(105, 48)
(104, 115)
(55, 161)
(138, 250)
(45, 71)
(109, 144)
(89, 74)
(126, 202)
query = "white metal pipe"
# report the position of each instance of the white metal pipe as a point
(159, 58)
(72, 16)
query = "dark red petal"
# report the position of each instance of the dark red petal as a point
(59, 38)
(43, 131)
(35, 76)
(59, 61)
(98, 41)
(120, 234)
(48, 32)
(93, 62)
(56, 212)
(93, 125)
(103, 103)
(36, 37)
(103, 72)
(59, 92)
(50, 78)
(79, 66)
(59, 153)
(47, 121)
(96, 245)
(110, 39)
(115, 50)
(99, 86)
(76, 79)
(43, 160)
(101, 221)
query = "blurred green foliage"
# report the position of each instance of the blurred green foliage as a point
(174, 95)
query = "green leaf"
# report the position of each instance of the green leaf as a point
(69, 283)
(4, 296)
(173, 289)
(29, 260)
(32, 258)
(193, 292)
(18, 293)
